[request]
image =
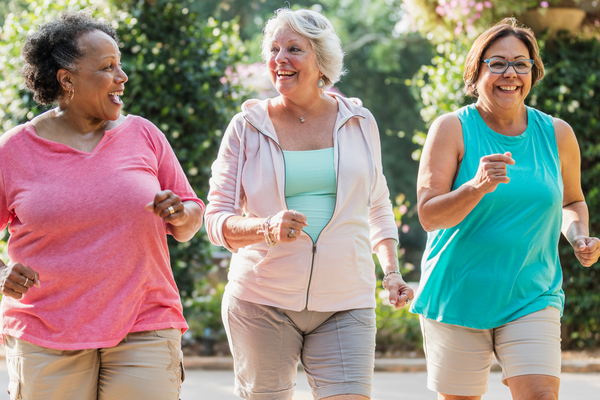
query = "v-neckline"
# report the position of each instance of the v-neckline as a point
(107, 134)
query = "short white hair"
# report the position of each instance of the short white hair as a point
(319, 31)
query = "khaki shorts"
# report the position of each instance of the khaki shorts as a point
(144, 365)
(459, 358)
(337, 350)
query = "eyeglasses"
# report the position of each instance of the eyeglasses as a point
(499, 66)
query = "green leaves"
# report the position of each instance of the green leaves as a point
(571, 91)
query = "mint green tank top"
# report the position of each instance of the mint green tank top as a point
(501, 262)
(310, 187)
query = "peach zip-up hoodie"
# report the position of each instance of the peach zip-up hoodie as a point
(248, 178)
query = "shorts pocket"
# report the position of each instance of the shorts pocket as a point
(246, 309)
(14, 389)
(182, 372)
(365, 316)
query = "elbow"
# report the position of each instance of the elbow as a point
(428, 223)
(426, 226)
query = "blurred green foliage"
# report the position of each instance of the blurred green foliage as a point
(569, 91)
(397, 330)
(176, 58)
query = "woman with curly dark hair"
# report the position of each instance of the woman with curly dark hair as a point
(90, 308)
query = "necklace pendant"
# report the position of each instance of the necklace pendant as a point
(301, 119)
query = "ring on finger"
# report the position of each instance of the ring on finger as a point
(171, 210)
(26, 280)
(292, 233)
(294, 216)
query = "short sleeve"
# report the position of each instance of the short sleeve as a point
(170, 174)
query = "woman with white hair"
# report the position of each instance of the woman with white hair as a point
(298, 196)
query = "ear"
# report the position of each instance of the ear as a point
(64, 77)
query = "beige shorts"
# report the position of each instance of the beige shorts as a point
(459, 358)
(337, 350)
(144, 365)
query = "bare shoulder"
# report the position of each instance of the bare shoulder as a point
(565, 136)
(446, 132)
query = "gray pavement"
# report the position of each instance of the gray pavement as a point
(218, 385)
(201, 385)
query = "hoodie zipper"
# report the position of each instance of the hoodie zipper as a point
(314, 246)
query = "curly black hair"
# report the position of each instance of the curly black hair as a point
(54, 46)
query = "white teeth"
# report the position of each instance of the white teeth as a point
(116, 93)
(507, 88)
(285, 73)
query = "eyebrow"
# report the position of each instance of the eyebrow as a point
(504, 58)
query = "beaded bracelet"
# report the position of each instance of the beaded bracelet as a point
(386, 276)
(268, 238)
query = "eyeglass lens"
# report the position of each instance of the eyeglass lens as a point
(499, 66)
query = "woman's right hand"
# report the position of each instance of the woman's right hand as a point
(491, 172)
(17, 279)
(286, 226)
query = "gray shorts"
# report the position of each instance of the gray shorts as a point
(459, 358)
(337, 350)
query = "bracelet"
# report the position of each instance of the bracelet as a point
(386, 276)
(268, 238)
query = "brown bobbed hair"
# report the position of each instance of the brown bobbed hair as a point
(506, 27)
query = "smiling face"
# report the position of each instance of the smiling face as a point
(292, 63)
(509, 89)
(99, 79)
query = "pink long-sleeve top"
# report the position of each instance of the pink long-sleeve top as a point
(78, 219)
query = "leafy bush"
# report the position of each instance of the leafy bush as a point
(571, 91)
(397, 330)
(176, 61)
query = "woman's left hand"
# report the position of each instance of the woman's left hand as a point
(400, 293)
(587, 250)
(169, 207)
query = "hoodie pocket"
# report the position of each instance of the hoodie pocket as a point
(285, 267)
(336, 267)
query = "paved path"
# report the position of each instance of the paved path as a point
(218, 385)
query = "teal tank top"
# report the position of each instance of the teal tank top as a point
(501, 262)
(310, 187)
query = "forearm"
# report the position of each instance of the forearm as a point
(575, 221)
(192, 222)
(241, 231)
(387, 254)
(449, 209)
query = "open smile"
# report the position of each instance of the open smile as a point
(285, 74)
(115, 97)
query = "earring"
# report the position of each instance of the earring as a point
(72, 94)
(321, 83)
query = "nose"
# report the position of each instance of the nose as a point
(511, 71)
(280, 57)
(121, 76)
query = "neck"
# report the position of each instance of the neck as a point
(304, 105)
(79, 123)
(501, 117)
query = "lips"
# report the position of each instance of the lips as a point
(114, 97)
(285, 74)
(506, 88)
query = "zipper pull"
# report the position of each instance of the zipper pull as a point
(314, 248)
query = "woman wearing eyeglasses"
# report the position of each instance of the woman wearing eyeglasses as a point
(498, 181)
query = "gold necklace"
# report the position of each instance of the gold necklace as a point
(302, 118)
